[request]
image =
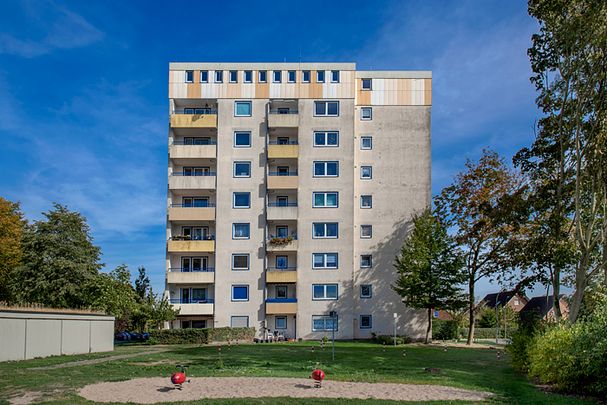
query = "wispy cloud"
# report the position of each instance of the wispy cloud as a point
(59, 28)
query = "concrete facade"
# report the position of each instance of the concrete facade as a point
(27, 335)
(390, 110)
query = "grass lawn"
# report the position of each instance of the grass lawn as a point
(476, 369)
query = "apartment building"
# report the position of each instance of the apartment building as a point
(290, 190)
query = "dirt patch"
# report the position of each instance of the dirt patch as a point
(149, 363)
(99, 360)
(153, 390)
(26, 398)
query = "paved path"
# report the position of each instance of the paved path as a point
(99, 360)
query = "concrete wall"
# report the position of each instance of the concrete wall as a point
(27, 335)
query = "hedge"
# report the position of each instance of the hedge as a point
(445, 330)
(200, 336)
(485, 333)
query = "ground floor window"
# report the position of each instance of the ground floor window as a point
(324, 323)
(366, 322)
(239, 322)
(280, 322)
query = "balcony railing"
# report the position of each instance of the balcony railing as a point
(283, 111)
(188, 237)
(196, 143)
(282, 204)
(281, 300)
(293, 173)
(195, 111)
(192, 270)
(293, 236)
(191, 301)
(208, 205)
(290, 268)
(283, 143)
(187, 174)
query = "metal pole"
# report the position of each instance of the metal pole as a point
(395, 315)
(333, 339)
(497, 322)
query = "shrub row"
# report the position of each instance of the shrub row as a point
(445, 330)
(389, 340)
(200, 336)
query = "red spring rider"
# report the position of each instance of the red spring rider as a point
(318, 375)
(179, 377)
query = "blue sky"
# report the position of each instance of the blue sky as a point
(83, 91)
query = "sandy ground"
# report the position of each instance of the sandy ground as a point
(152, 390)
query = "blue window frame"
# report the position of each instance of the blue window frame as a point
(335, 76)
(366, 322)
(242, 169)
(276, 76)
(242, 139)
(204, 76)
(366, 291)
(325, 199)
(324, 292)
(326, 169)
(280, 322)
(262, 76)
(326, 138)
(242, 108)
(189, 76)
(241, 200)
(233, 76)
(320, 76)
(291, 76)
(219, 76)
(324, 323)
(240, 292)
(248, 76)
(324, 260)
(305, 76)
(324, 230)
(282, 262)
(241, 231)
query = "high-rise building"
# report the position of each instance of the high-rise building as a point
(290, 192)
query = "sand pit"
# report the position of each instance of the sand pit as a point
(152, 390)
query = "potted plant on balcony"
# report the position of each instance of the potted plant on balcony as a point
(280, 241)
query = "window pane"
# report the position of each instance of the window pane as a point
(239, 322)
(331, 168)
(243, 139)
(319, 199)
(277, 76)
(240, 293)
(319, 138)
(331, 200)
(332, 229)
(263, 76)
(243, 108)
(335, 76)
(281, 322)
(242, 169)
(332, 138)
(318, 323)
(318, 229)
(331, 259)
(320, 76)
(306, 75)
(318, 259)
(333, 108)
(281, 262)
(331, 291)
(320, 107)
(248, 76)
(241, 199)
(319, 169)
(292, 76)
(241, 261)
(319, 291)
(241, 230)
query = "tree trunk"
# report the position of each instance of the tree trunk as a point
(556, 290)
(580, 286)
(471, 309)
(429, 329)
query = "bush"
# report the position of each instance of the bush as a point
(200, 336)
(521, 340)
(486, 333)
(445, 330)
(389, 340)
(573, 357)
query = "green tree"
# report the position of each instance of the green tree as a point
(477, 207)
(429, 268)
(11, 232)
(59, 258)
(142, 284)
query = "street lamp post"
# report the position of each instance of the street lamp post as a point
(395, 317)
(333, 315)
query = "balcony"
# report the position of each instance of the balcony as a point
(283, 181)
(181, 151)
(175, 245)
(200, 307)
(283, 151)
(282, 211)
(178, 275)
(278, 244)
(178, 212)
(276, 275)
(179, 181)
(281, 306)
(283, 118)
(207, 120)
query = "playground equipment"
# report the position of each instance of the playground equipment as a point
(318, 375)
(179, 378)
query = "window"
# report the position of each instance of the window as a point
(240, 261)
(366, 84)
(282, 231)
(282, 140)
(324, 260)
(262, 76)
(281, 291)
(326, 108)
(277, 76)
(324, 323)
(324, 291)
(196, 171)
(366, 291)
(335, 76)
(248, 76)
(240, 292)
(198, 202)
(239, 322)
(282, 262)
(242, 169)
(196, 140)
(242, 139)
(204, 76)
(282, 170)
(320, 76)
(282, 201)
(323, 138)
(366, 113)
(365, 322)
(366, 261)
(366, 201)
(324, 230)
(233, 76)
(325, 199)
(291, 76)
(194, 264)
(219, 76)
(366, 231)
(326, 169)
(242, 108)
(241, 200)
(366, 143)
(280, 322)
(241, 231)
(189, 76)
(305, 76)
(366, 172)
